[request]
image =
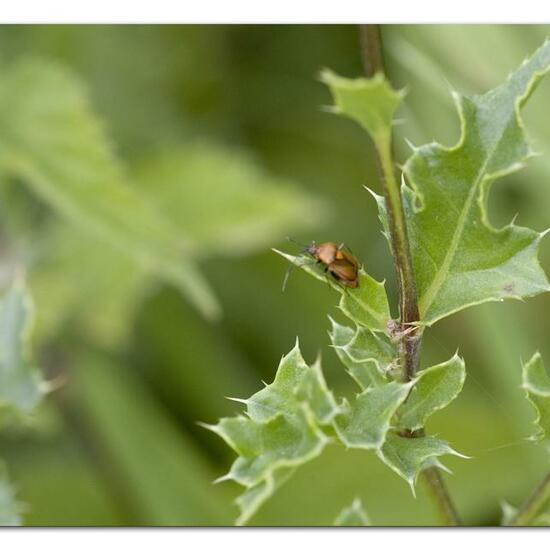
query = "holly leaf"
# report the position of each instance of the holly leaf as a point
(53, 142)
(536, 384)
(434, 389)
(10, 509)
(459, 258)
(366, 355)
(21, 384)
(408, 456)
(282, 429)
(353, 516)
(365, 423)
(367, 305)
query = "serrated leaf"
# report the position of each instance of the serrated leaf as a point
(10, 509)
(252, 499)
(370, 102)
(365, 423)
(365, 354)
(21, 384)
(366, 305)
(295, 383)
(51, 140)
(408, 456)
(434, 389)
(282, 430)
(282, 441)
(222, 201)
(536, 384)
(353, 516)
(459, 258)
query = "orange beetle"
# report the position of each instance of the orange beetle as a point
(342, 265)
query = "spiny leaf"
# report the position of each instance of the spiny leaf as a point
(21, 384)
(366, 305)
(353, 516)
(434, 389)
(295, 383)
(365, 423)
(370, 102)
(282, 430)
(282, 441)
(221, 200)
(408, 456)
(9, 508)
(459, 258)
(536, 383)
(365, 354)
(54, 143)
(252, 499)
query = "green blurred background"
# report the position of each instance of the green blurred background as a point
(118, 443)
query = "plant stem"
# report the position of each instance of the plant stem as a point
(532, 506)
(409, 341)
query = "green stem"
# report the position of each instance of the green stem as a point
(533, 505)
(409, 341)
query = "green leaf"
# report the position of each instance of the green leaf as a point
(366, 355)
(536, 384)
(51, 140)
(222, 201)
(252, 499)
(434, 389)
(353, 516)
(459, 258)
(282, 430)
(109, 290)
(282, 441)
(370, 102)
(408, 456)
(366, 305)
(10, 509)
(21, 384)
(365, 423)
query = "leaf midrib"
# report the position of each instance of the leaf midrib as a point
(429, 296)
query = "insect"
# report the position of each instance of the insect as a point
(342, 265)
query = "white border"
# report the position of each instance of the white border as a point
(275, 11)
(270, 539)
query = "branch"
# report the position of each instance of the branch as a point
(410, 341)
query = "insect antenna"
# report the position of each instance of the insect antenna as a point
(303, 246)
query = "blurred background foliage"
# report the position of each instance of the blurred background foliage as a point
(145, 173)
